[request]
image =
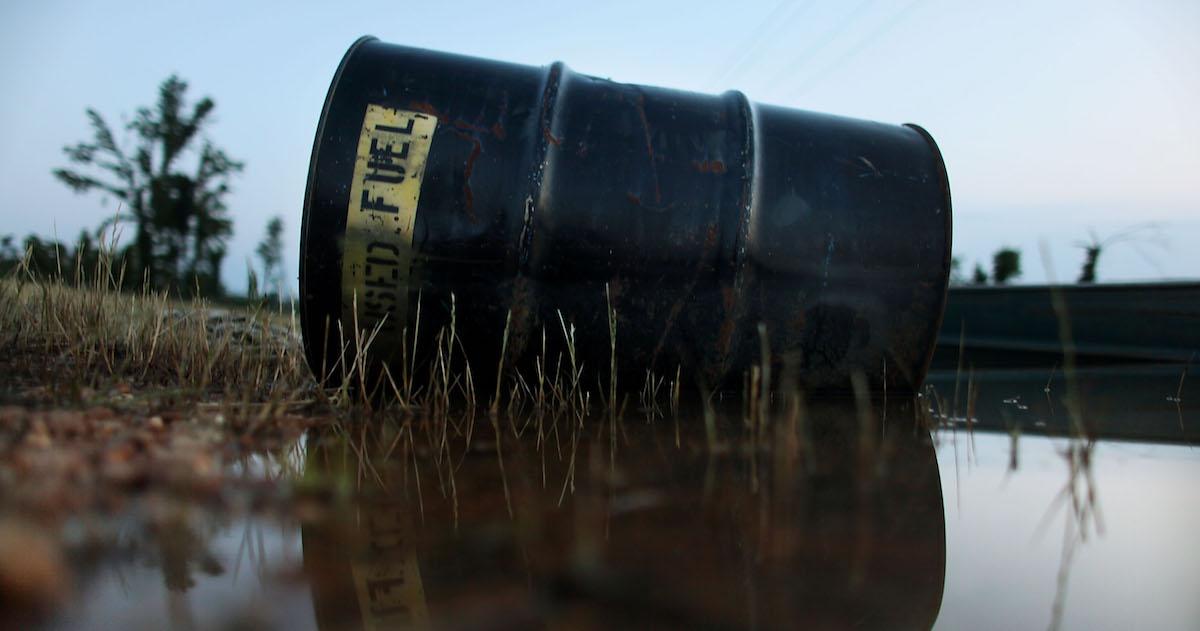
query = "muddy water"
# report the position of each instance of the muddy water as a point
(834, 518)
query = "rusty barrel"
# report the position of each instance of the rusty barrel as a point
(537, 209)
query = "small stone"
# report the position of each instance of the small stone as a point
(38, 435)
(121, 471)
(12, 414)
(154, 422)
(65, 422)
(98, 413)
(33, 576)
(107, 428)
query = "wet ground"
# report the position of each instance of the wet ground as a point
(831, 515)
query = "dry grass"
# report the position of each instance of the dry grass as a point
(70, 338)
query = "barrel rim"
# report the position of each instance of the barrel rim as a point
(310, 345)
(944, 180)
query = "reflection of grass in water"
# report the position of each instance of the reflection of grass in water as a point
(780, 433)
(1178, 398)
(614, 466)
(502, 464)
(1079, 496)
(1080, 488)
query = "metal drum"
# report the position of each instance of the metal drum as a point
(521, 202)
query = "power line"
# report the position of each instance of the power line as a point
(862, 44)
(830, 35)
(776, 19)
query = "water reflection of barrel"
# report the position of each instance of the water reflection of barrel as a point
(656, 536)
(537, 191)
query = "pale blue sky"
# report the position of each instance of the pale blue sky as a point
(1054, 117)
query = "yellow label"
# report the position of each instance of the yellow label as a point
(388, 580)
(378, 255)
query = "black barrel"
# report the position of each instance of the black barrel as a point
(522, 201)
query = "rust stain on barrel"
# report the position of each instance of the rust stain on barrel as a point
(548, 96)
(468, 168)
(715, 167)
(641, 110)
(728, 324)
(425, 107)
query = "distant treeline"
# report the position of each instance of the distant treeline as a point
(87, 258)
(1006, 266)
(1006, 262)
(77, 262)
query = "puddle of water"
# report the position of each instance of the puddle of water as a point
(237, 573)
(1005, 535)
(836, 519)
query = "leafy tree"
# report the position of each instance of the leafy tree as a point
(181, 230)
(979, 276)
(10, 257)
(270, 250)
(1006, 265)
(1091, 256)
(956, 273)
(1135, 236)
